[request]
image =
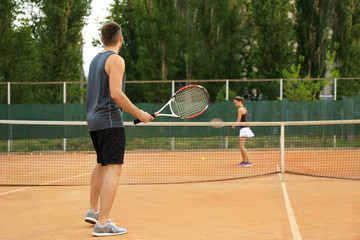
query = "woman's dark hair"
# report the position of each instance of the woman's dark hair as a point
(238, 98)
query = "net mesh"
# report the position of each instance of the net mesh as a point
(61, 153)
(190, 101)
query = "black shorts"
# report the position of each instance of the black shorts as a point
(109, 145)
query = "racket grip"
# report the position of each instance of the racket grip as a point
(136, 121)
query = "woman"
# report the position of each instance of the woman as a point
(245, 131)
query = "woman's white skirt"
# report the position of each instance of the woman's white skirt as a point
(246, 132)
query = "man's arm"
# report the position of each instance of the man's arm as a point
(115, 68)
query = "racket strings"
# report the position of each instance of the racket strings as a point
(190, 102)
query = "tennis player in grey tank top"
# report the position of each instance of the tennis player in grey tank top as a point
(102, 111)
(105, 101)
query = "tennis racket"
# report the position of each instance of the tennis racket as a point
(188, 102)
(216, 120)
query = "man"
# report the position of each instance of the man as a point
(105, 101)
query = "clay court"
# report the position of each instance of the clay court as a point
(248, 209)
(255, 204)
(159, 167)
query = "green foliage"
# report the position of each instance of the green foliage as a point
(300, 90)
(41, 47)
(330, 64)
(7, 12)
(346, 25)
(217, 41)
(221, 95)
(19, 52)
(122, 12)
(75, 93)
(60, 41)
(188, 39)
(313, 35)
(274, 49)
(181, 40)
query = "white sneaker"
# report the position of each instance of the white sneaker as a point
(108, 230)
(92, 217)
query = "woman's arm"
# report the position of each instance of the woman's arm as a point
(240, 113)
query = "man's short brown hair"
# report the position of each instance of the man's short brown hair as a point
(110, 33)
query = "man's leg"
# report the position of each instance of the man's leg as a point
(97, 180)
(108, 191)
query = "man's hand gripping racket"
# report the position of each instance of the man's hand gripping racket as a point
(188, 102)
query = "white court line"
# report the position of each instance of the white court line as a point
(63, 179)
(17, 190)
(44, 184)
(293, 225)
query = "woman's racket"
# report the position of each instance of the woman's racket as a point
(216, 120)
(188, 102)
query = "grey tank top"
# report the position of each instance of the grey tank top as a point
(101, 110)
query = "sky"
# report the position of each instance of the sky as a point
(99, 11)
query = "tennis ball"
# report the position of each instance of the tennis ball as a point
(31, 154)
(74, 152)
(40, 154)
(91, 155)
(9, 154)
(202, 159)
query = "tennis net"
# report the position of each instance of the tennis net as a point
(61, 153)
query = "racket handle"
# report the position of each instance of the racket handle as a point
(136, 121)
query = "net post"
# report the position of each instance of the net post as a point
(335, 89)
(8, 90)
(227, 90)
(9, 148)
(172, 143)
(172, 87)
(282, 147)
(64, 92)
(64, 101)
(64, 144)
(281, 89)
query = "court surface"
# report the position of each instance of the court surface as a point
(155, 166)
(232, 210)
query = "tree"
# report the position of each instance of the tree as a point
(217, 41)
(7, 9)
(159, 37)
(313, 35)
(123, 12)
(221, 94)
(182, 40)
(272, 48)
(346, 35)
(303, 90)
(150, 53)
(60, 42)
(18, 48)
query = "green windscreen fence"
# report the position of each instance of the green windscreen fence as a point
(18, 132)
(263, 111)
